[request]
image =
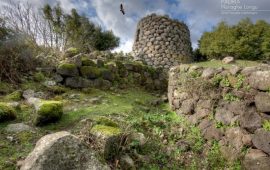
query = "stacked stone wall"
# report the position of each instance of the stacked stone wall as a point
(231, 106)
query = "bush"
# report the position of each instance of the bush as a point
(16, 55)
(245, 40)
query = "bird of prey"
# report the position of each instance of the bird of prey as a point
(122, 9)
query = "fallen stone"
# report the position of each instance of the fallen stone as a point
(61, 151)
(228, 60)
(18, 127)
(250, 120)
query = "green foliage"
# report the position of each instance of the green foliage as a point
(15, 96)
(195, 74)
(6, 112)
(225, 82)
(214, 157)
(80, 32)
(39, 77)
(230, 97)
(217, 79)
(240, 81)
(266, 125)
(105, 130)
(245, 40)
(219, 125)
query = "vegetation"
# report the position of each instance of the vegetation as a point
(246, 40)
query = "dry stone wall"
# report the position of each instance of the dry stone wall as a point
(162, 42)
(83, 71)
(231, 106)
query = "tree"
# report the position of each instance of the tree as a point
(243, 41)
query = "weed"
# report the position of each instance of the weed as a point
(214, 158)
(225, 82)
(230, 97)
(266, 125)
(217, 79)
(195, 74)
(240, 81)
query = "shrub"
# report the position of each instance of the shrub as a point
(16, 55)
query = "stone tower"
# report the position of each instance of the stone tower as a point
(162, 42)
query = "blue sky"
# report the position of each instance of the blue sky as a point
(199, 15)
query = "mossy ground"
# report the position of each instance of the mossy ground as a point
(126, 109)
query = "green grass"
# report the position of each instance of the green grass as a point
(218, 63)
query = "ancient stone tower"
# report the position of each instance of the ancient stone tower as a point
(162, 42)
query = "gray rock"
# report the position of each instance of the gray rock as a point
(235, 137)
(261, 140)
(248, 70)
(208, 73)
(78, 82)
(61, 151)
(212, 133)
(187, 106)
(262, 101)
(127, 163)
(228, 60)
(224, 116)
(260, 80)
(28, 93)
(234, 69)
(250, 120)
(18, 127)
(58, 78)
(69, 70)
(256, 160)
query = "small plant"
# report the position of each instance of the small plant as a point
(214, 158)
(219, 125)
(240, 81)
(195, 74)
(225, 82)
(217, 79)
(39, 77)
(266, 125)
(230, 97)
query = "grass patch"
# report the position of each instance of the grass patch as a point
(218, 63)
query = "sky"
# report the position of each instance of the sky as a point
(199, 15)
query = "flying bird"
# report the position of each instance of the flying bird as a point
(122, 9)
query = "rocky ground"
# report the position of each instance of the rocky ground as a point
(124, 128)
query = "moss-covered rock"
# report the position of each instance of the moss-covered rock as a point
(14, 96)
(105, 131)
(107, 122)
(70, 52)
(67, 69)
(90, 72)
(87, 62)
(6, 112)
(48, 112)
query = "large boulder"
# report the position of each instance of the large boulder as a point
(262, 101)
(261, 140)
(61, 151)
(67, 69)
(70, 52)
(256, 160)
(18, 127)
(47, 112)
(260, 80)
(6, 112)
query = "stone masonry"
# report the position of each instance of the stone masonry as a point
(162, 42)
